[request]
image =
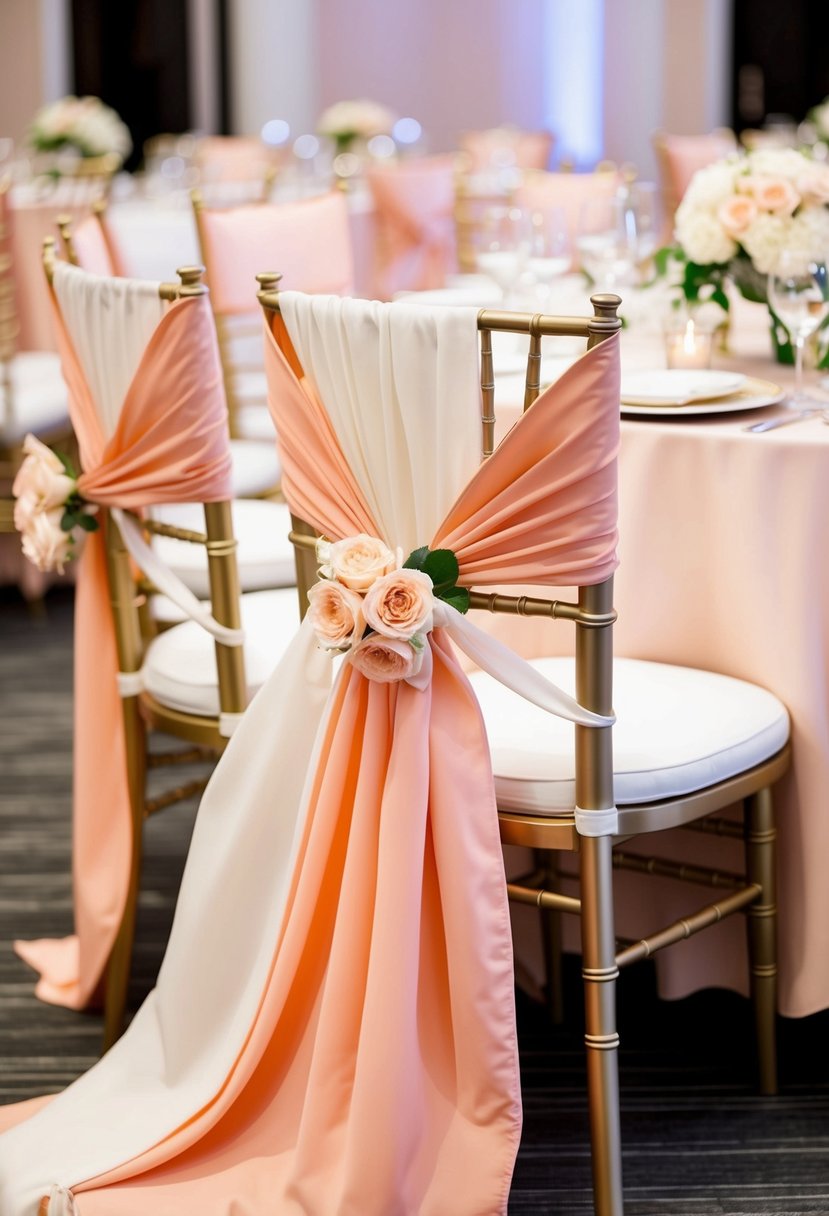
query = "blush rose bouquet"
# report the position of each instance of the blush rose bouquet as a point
(347, 122)
(48, 510)
(736, 218)
(83, 124)
(376, 608)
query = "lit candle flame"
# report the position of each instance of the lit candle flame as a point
(689, 342)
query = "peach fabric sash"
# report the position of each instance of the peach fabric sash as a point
(346, 1043)
(309, 242)
(170, 445)
(416, 227)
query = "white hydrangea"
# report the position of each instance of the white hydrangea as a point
(776, 162)
(702, 236)
(84, 123)
(764, 238)
(820, 119)
(713, 185)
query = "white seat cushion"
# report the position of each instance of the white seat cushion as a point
(256, 467)
(180, 665)
(677, 730)
(39, 398)
(265, 556)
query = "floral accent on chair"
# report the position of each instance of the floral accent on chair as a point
(48, 510)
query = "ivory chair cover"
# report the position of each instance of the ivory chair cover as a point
(148, 408)
(333, 1026)
(414, 203)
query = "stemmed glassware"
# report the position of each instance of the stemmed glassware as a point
(504, 247)
(798, 294)
(606, 243)
(549, 247)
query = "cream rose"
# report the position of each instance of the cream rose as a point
(813, 185)
(774, 194)
(45, 543)
(358, 560)
(400, 604)
(736, 213)
(385, 660)
(41, 477)
(336, 614)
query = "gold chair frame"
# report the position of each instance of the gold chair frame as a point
(602, 958)
(142, 712)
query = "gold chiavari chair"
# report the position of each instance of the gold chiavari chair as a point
(183, 683)
(559, 794)
(310, 238)
(678, 158)
(32, 394)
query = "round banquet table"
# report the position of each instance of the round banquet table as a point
(721, 566)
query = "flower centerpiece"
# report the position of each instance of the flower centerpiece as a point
(376, 608)
(736, 218)
(818, 120)
(83, 126)
(354, 122)
(48, 510)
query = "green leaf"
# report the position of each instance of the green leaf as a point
(416, 558)
(67, 464)
(719, 297)
(457, 598)
(663, 257)
(442, 567)
(68, 521)
(88, 522)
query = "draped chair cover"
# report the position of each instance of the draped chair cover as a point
(569, 191)
(308, 241)
(414, 203)
(333, 1026)
(507, 145)
(95, 248)
(148, 408)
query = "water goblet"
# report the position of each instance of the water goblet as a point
(503, 247)
(549, 248)
(798, 294)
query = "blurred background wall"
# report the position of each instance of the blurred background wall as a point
(604, 74)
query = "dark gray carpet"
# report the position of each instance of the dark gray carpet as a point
(698, 1141)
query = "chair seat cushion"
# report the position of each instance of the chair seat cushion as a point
(39, 398)
(265, 556)
(256, 467)
(180, 664)
(677, 730)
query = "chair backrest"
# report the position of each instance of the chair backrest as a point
(414, 203)
(137, 370)
(236, 158)
(569, 191)
(90, 243)
(9, 325)
(314, 354)
(680, 156)
(507, 147)
(310, 240)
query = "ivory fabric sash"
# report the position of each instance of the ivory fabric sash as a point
(166, 441)
(333, 1027)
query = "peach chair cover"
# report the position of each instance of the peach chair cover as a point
(570, 191)
(148, 408)
(233, 158)
(414, 203)
(681, 156)
(308, 241)
(333, 1026)
(95, 248)
(507, 147)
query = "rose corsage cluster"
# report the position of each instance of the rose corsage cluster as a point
(48, 510)
(377, 608)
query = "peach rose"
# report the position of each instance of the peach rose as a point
(336, 614)
(42, 477)
(736, 213)
(400, 604)
(25, 509)
(358, 560)
(385, 660)
(774, 194)
(45, 544)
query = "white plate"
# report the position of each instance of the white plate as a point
(677, 386)
(752, 396)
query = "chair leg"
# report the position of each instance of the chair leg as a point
(599, 971)
(760, 836)
(120, 959)
(551, 939)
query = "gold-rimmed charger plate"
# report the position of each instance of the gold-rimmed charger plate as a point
(753, 395)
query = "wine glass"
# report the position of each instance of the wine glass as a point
(798, 294)
(643, 218)
(503, 247)
(606, 242)
(549, 247)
